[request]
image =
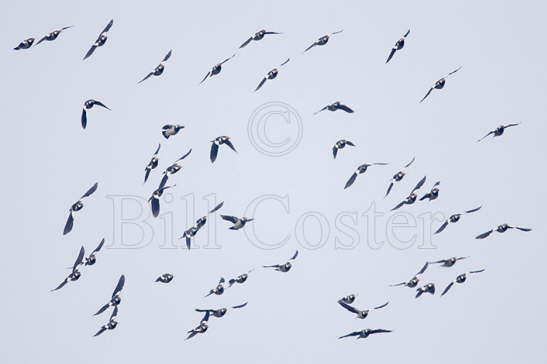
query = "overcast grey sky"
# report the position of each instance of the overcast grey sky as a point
(50, 161)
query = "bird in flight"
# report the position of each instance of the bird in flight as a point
(101, 40)
(413, 282)
(283, 267)
(323, 40)
(77, 206)
(398, 46)
(165, 278)
(75, 273)
(169, 130)
(439, 84)
(397, 177)
(336, 106)
(455, 218)
(428, 288)
(449, 262)
(271, 75)
(115, 299)
(360, 170)
(173, 168)
(53, 35)
(498, 131)
(257, 36)
(361, 314)
(460, 279)
(501, 229)
(363, 334)
(111, 324)
(218, 312)
(340, 145)
(410, 199)
(159, 68)
(215, 70)
(433, 194)
(88, 105)
(152, 164)
(216, 143)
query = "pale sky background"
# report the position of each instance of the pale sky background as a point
(49, 161)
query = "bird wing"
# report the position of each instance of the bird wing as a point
(381, 306)
(355, 333)
(232, 219)
(79, 259)
(146, 77)
(406, 34)
(523, 229)
(351, 180)
(84, 118)
(69, 224)
(489, 133)
(442, 227)
(456, 70)
(426, 95)
(101, 104)
(184, 156)
(379, 331)
(102, 309)
(294, 255)
(41, 40)
(214, 152)
(204, 78)
(447, 288)
(90, 51)
(119, 286)
(99, 247)
(345, 108)
(473, 210)
(91, 190)
(323, 109)
(261, 84)
(60, 285)
(167, 56)
(101, 330)
(188, 242)
(393, 50)
(155, 203)
(421, 271)
(217, 207)
(348, 307)
(230, 144)
(484, 235)
(310, 47)
(398, 206)
(246, 42)
(419, 185)
(241, 305)
(409, 163)
(334, 151)
(389, 189)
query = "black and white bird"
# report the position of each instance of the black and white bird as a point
(77, 206)
(88, 105)
(101, 40)
(173, 168)
(159, 68)
(398, 46)
(165, 278)
(455, 218)
(349, 299)
(361, 314)
(323, 40)
(283, 267)
(111, 324)
(200, 329)
(413, 282)
(433, 194)
(335, 106)
(92, 259)
(449, 262)
(439, 84)
(238, 222)
(25, 44)
(115, 299)
(257, 36)
(220, 312)
(363, 334)
(53, 35)
(75, 272)
(169, 130)
(271, 75)
(155, 199)
(360, 170)
(397, 177)
(410, 199)
(498, 131)
(428, 288)
(240, 279)
(340, 145)
(192, 231)
(218, 290)
(152, 164)
(216, 143)
(460, 279)
(216, 69)
(501, 229)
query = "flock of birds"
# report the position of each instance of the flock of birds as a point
(171, 130)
